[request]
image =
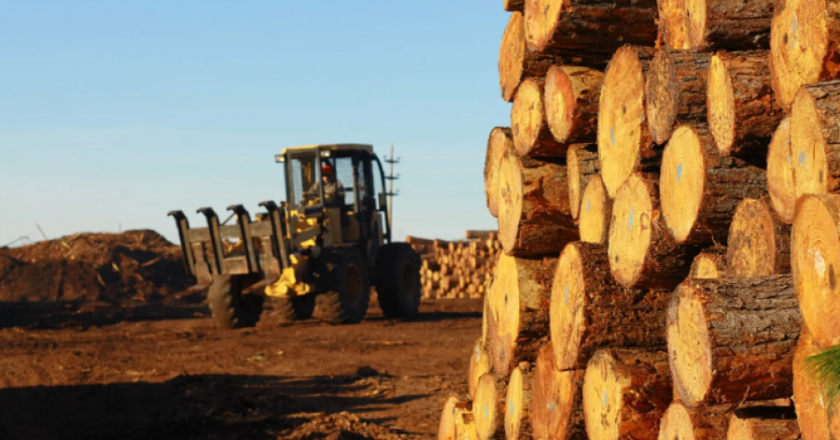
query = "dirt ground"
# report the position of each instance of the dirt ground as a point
(164, 371)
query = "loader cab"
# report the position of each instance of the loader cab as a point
(342, 205)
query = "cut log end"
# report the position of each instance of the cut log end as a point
(780, 183)
(721, 105)
(689, 347)
(807, 144)
(815, 258)
(571, 102)
(811, 405)
(602, 397)
(516, 403)
(682, 181)
(479, 365)
(676, 424)
(559, 103)
(581, 165)
(595, 210)
(661, 97)
(753, 250)
(541, 18)
(451, 409)
(486, 407)
(622, 113)
(509, 200)
(630, 230)
(512, 56)
(527, 116)
(556, 410)
(799, 44)
(499, 143)
(709, 264)
(568, 296)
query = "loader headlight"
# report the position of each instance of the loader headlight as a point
(325, 153)
(279, 158)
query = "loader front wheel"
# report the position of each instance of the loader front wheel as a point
(398, 280)
(230, 308)
(290, 309)
(346, 287)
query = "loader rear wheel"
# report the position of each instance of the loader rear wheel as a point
(345, 286)
(293, 309)
(229, 307)
(398, 280)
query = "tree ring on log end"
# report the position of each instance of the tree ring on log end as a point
(721, 105)
(593, 220)
(622, 113)
(541, 18)
(661, 96)
(527, 116)
(485, 406)
(696, 20)
(509, 200)
(707, 265)
(689, 347)
(479, 364)
(752, 244)
(798, 46)
(673, 24)
(515, 405)
(630, 230)
(568, 298)
(498, 144)
(602, 397)
(512, 56)
(807, 145)
(507, 302)
(676, 424)
(682, 181)
(559, 103)
(446, 428)
(815, 260)
(780, 183)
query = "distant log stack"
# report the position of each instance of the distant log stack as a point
(457, 269)
(668, 208)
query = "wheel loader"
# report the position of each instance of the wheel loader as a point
(322, 249)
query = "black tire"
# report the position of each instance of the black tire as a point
(293, 309)
(397, 280)
(229, 307)
(345, 284)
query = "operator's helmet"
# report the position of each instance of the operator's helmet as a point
(327, 169)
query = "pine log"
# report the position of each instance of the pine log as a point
(520, 389)
(481, 235)
(732, 340)
(581, 164)
(522, 300)
(465, 425)
(675, 91)
(534, 210)
(762, 427)
(709, 264)
(625, 394)
(531, 135)
(514, 5)
(625, 144)
(642, 252)
(811, 405)
(571, 103)
(590, 310)
(780, 184)
(588, 28)
(595, 212)
(715, 24)
(815, 263)
(500, 142)
(759, 244)
(701, 189)
(454, 404)
(480, 363)
(489, 407)
(743, 112)
(804, 46)
(815, 138)
(703, 423)
(516, 62)
(556, 401)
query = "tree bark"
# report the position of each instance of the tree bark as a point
(500, 142)
(581, 164)
(586, 28)
(522, 300)
(732, 340)
(516, 62)
(625, 144)
(804, 46)
(675, 91)
(703, 423)
(625, 394)
(763, 427)
(701, 189)
(572, 97)
(709, 264)
(514, 5)
(716, 24)
(518, 400)
(759, 244)
(590, 310)
(743, 112)
(557, 401)
(489, 407)
(534, 210)
(780, 184)
(531, 135)
(642, 253)
(595, 212)
(815, 138)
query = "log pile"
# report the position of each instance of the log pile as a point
(669, 219)
(457, 269)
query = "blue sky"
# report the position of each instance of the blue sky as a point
(112, 113)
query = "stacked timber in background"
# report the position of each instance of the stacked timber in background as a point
(457, 269)
(670, 232)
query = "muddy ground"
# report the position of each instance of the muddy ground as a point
(163, 371)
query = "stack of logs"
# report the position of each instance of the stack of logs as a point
(670, 232)
(457, 269)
